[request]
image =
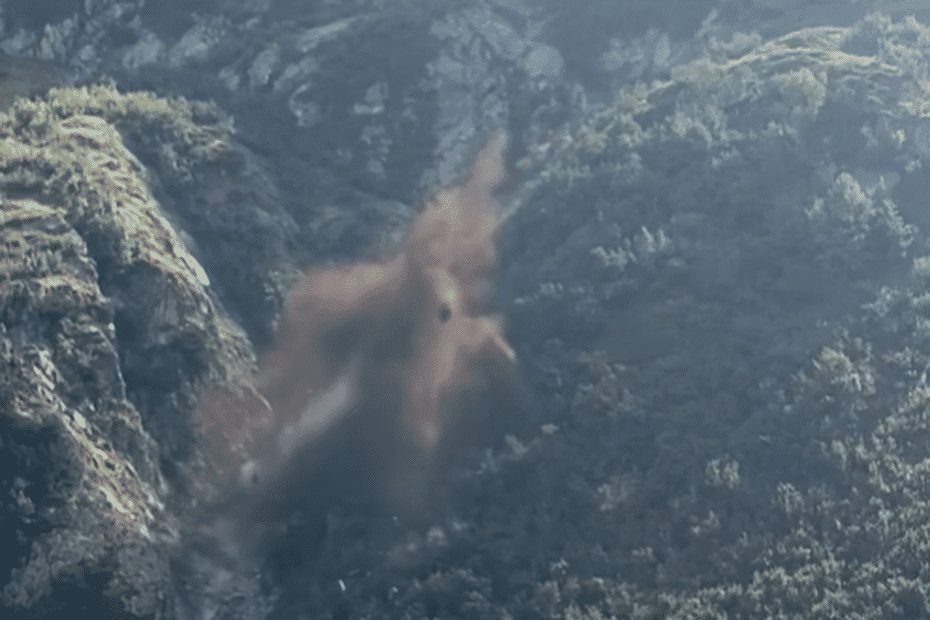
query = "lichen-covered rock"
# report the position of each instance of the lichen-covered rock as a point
(107, 328)
(215, 192)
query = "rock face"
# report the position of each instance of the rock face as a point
(102, 307)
